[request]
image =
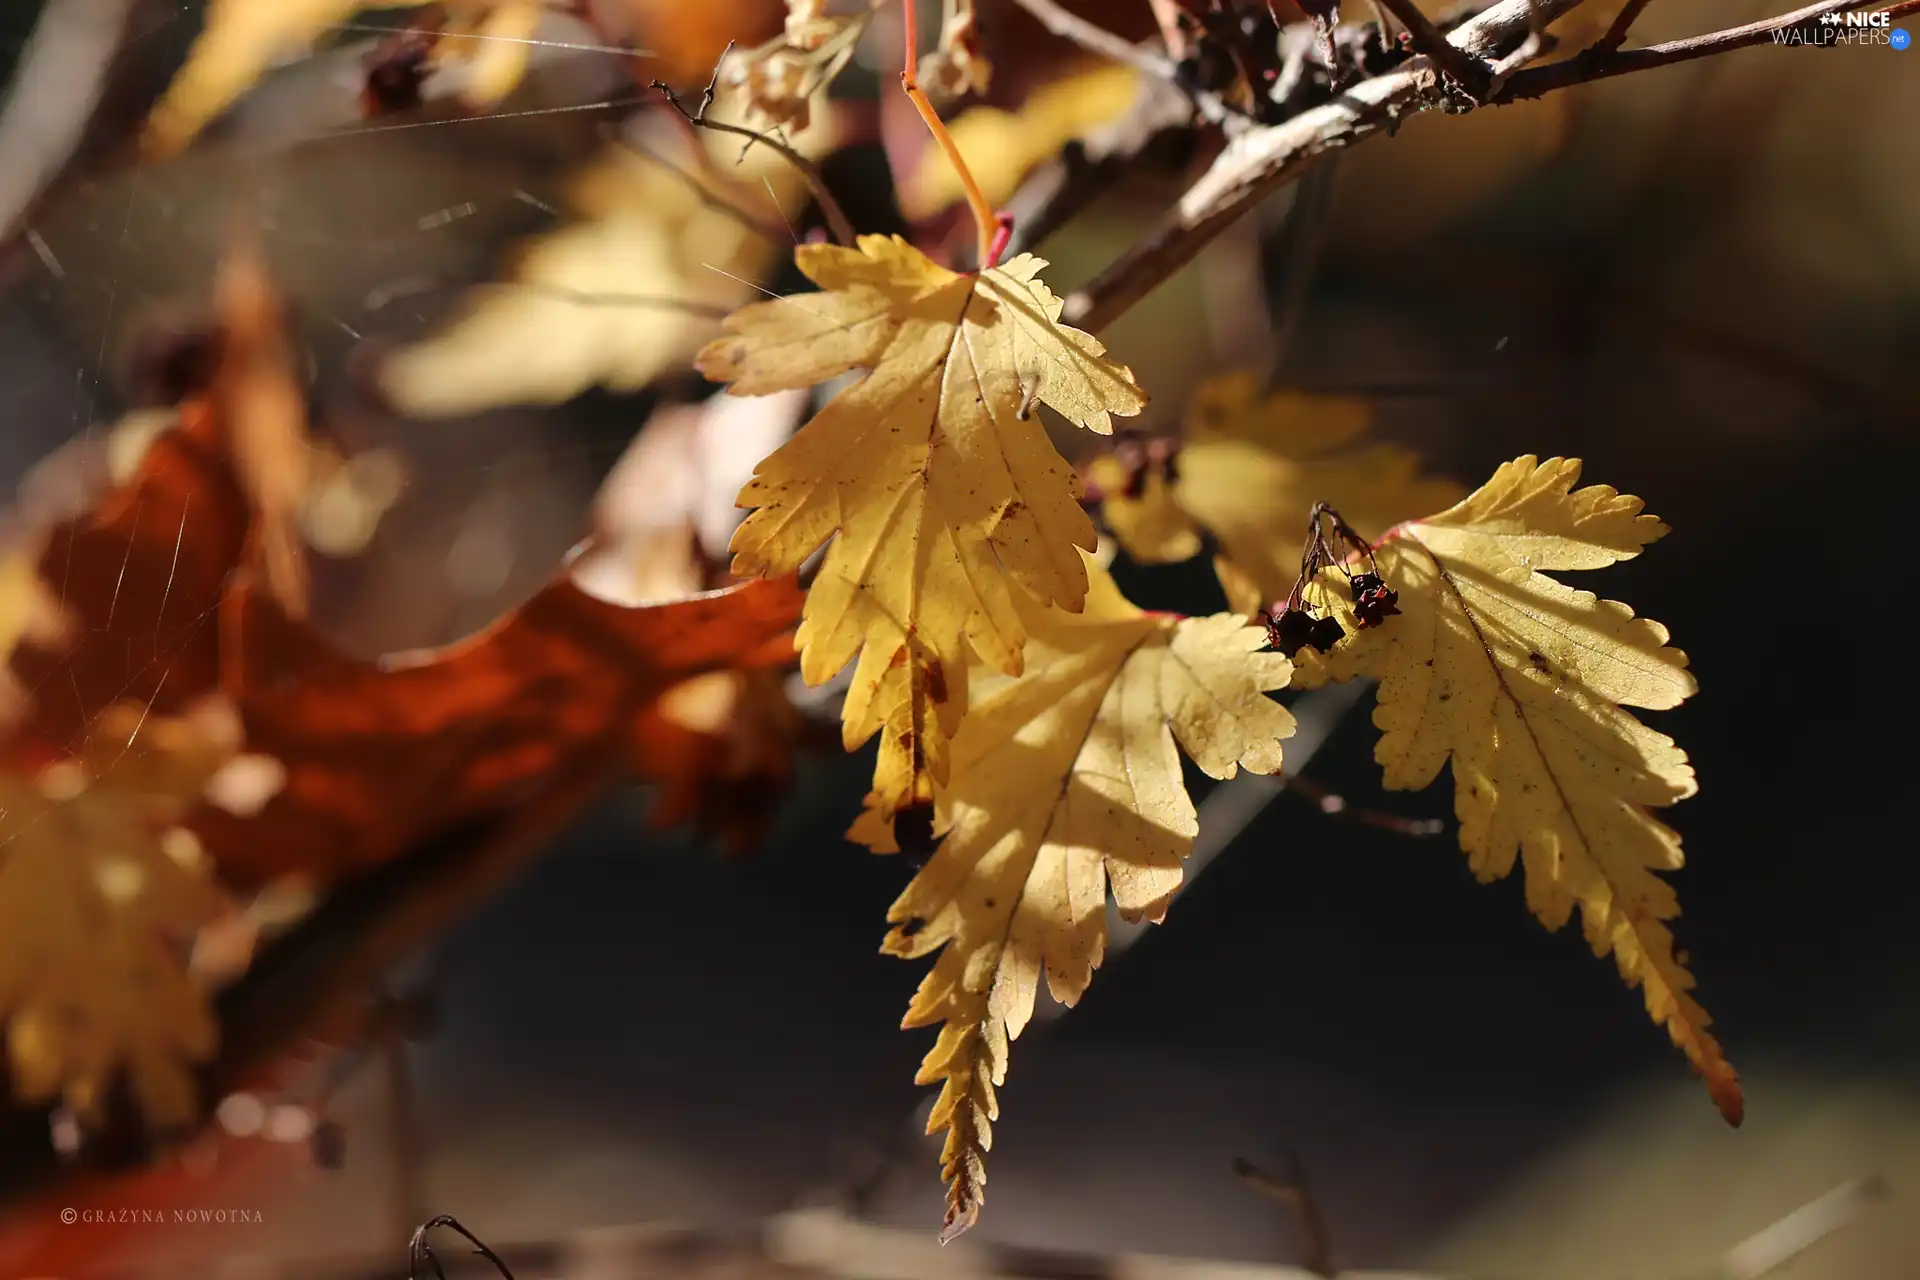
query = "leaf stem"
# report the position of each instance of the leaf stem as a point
(993, 229)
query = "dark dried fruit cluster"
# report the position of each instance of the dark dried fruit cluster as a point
(1291, 624)
(1297, 629)
(1373, 601)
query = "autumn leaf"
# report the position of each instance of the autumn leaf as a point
(1065, 781)
(493, 42)
(782, 81)
(958, 65)
(101, 895)
(947, 497)
(616, 297)
(123, 593)
(1004, 146)
(242, 38)
(1519, 683)
(383, 754)
(1249, 468)
(152, 608)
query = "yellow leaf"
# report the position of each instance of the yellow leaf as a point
(1250, 468)
(496, 44)
(781, 81)
(98, 911)
(594, 303)
(1002, 147)
(948, 499)
(242, 38)
(1519, 683)
(1066, 781)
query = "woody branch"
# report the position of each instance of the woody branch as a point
(1259, 161)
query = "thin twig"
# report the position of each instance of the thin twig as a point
(420, 1254)
(991, 229)
(1262, 160)
(1335, 805)
(1602, 66)
(588, 298)
(837, 223)
(1063, 22)
(1466, 70)
(1316, 1243)
(708, 197)
(1772, 1248)
(1621, 24)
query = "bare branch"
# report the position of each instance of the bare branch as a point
(1466, 70)
(1622, 23)
(761, 227)
(1598, 64)
(1056, 18)
(1259, 162)
(1316, 1244)
(837, 222)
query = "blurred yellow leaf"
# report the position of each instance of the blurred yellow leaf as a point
(1519, 683)
(606, 299)
(1066, 781)
(1002, 147)
(100, 901)
(948, 499)
(1249, 469)
(242, 39)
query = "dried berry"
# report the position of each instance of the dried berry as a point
(1296, 629)
(1326, 633)
(1373, 600)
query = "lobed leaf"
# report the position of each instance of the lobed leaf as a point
(1519, 683)
(944, 501)
(1251, 465)
(1066, 783)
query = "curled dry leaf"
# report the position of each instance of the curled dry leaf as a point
(98, 912)
(1066, 781)
(719, 744)
(780, 83)
(1519, 683)
(958, 65)
(381, 755)
(947, 499)
(151, 613)
(1250, 467)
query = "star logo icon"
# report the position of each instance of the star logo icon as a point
(1830, 19)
